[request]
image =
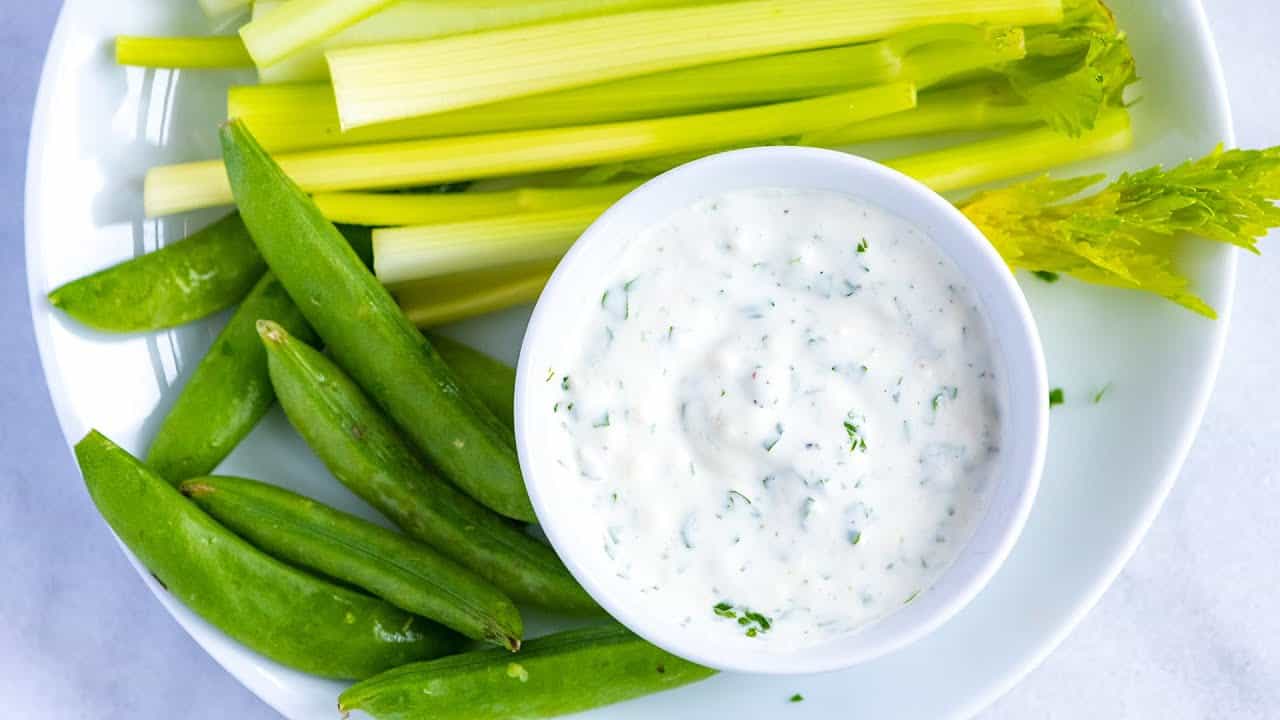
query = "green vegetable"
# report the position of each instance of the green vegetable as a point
(219, 8)
(1056, 397)
(1122, 235)
(555, 675)
(187, 280)
(376, 84)
(421, 19)
(407, 574)
(1045, 275)
(493, 382)
(367, 334)
(229, 391)
(1007, 156)
(283, 613)
(296, 117)
(182, 52)
(982, 105)
(796, 698)
(1075, 69)
(273, 36)
(441, 300)
(369, 456)
(387, 209)
(413, 253)
(189, 186)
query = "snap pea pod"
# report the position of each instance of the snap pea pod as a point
(388, 565)
(370, 337)
(229, 391)
(283, 613)
(554, 675)
(493, 382)
(368, 455)
(193, 278)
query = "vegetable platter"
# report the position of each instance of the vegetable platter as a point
(1135, 370)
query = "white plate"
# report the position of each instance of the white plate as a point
(97, 128)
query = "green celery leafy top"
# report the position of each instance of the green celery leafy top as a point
(1074, 69)
(1124, 235)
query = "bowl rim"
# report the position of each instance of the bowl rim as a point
(1013, 331)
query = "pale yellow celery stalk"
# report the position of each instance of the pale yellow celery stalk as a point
(442, 300)
(298, 24)
(182, 52)
(396, 209)
(190, 186)
(219, 8)
(978, 106)
(410, 20)
(392, 82)
(297, 117)
(414, 253)
(406, 254)
(1016, 154)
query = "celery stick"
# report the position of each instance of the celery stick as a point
(434, 302)
(182, 52)
(219, 8)
(1016, 154)
(395, 209)
(410, 20)
(391, 82)
(288, 117)
(406, 254)
(302, 23)
(177, 188)
(977, 106)
(414, 253)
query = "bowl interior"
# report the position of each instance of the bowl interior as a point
(1024, 422)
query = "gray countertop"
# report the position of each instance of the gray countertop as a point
(1190, 630)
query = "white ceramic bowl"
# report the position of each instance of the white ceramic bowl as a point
(1024, 422)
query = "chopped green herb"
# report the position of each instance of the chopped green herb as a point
(753, 622)
(604, 299)
(1056, 397)
(856, 440)
(1097, 397)
(796, 698)
(564, 384)
(551, 374)
(855, 537)
(735, 492)
(1045, 275)
(911, 597)
(770, 442)
(946, 393)
(862, 245)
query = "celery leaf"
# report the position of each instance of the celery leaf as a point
(1124, 235)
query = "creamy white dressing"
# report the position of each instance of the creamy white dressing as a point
(779, 417)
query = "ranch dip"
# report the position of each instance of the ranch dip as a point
(779, 416)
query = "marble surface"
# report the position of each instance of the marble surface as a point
(1190, 630)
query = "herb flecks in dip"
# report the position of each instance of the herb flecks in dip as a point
(780, 415)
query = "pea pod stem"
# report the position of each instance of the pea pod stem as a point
(368, 335)
(229, 391)
(554, 675)
(405, 573)
(368, 455)
(283, 613)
